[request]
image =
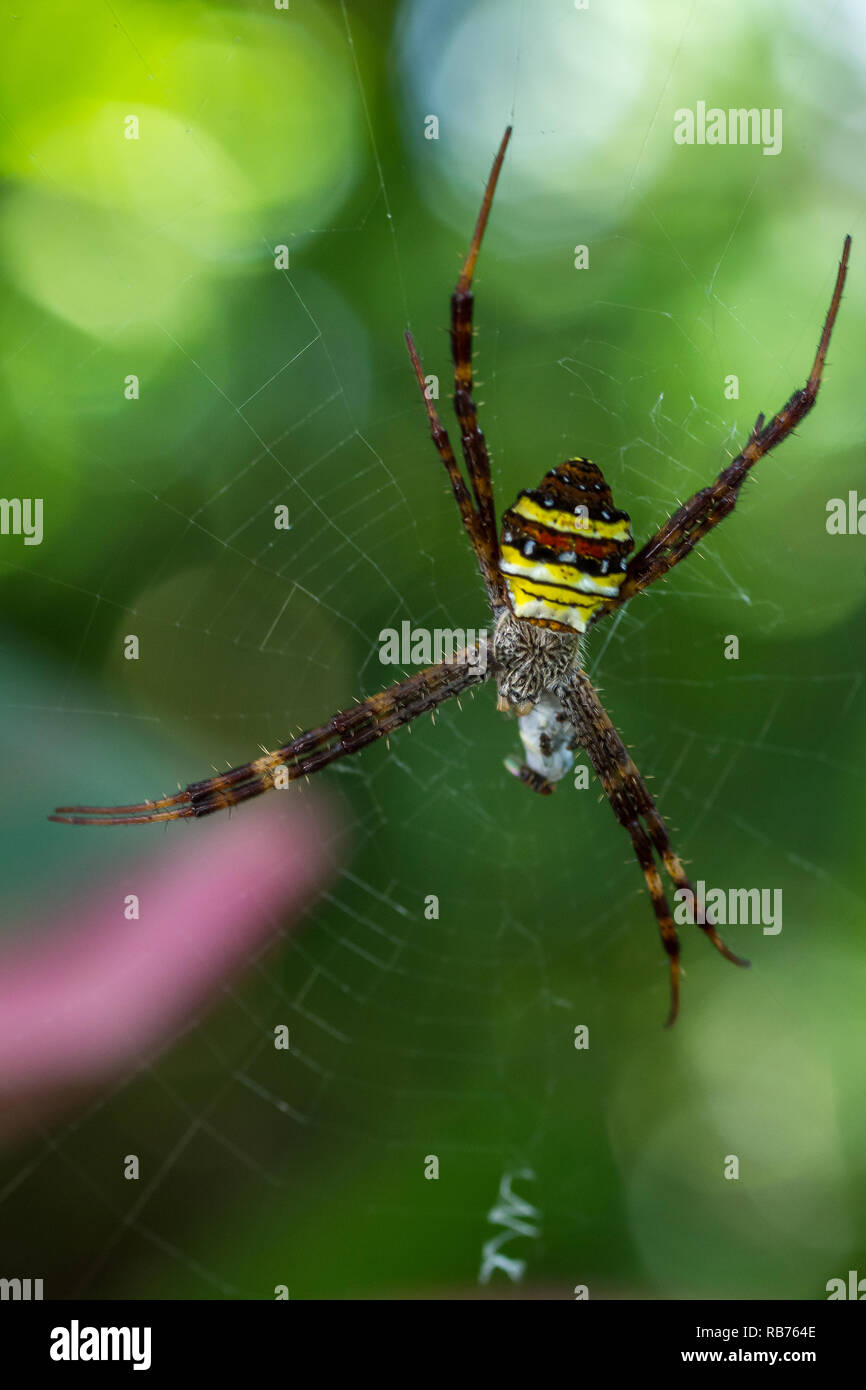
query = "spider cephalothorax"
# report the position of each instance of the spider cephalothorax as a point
(530, 659)
(562, 566)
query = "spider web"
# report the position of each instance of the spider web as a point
(454, 1036)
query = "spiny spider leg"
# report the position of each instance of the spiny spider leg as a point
(347, 732)
(682, 531)
(667, 930)
(471, 519)
(632, 804)
(472, 439)
(479, 517)
(677, 874)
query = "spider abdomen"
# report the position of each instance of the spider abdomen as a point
(547, 741)
(564, 548)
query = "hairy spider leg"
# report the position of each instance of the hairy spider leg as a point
(476, 508)
(345, 733)
(636, 811)
(690, 523)
(462, 303)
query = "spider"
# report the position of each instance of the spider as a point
(560, 566)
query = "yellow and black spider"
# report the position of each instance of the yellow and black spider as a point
(560, 566)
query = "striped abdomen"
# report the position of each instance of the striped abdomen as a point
(564, 548)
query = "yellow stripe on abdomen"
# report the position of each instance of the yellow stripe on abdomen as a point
(514, 563)
(581, 524)
(551, 605)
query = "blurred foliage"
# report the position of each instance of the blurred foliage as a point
(155, 257)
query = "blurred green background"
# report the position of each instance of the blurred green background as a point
(154, 257)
